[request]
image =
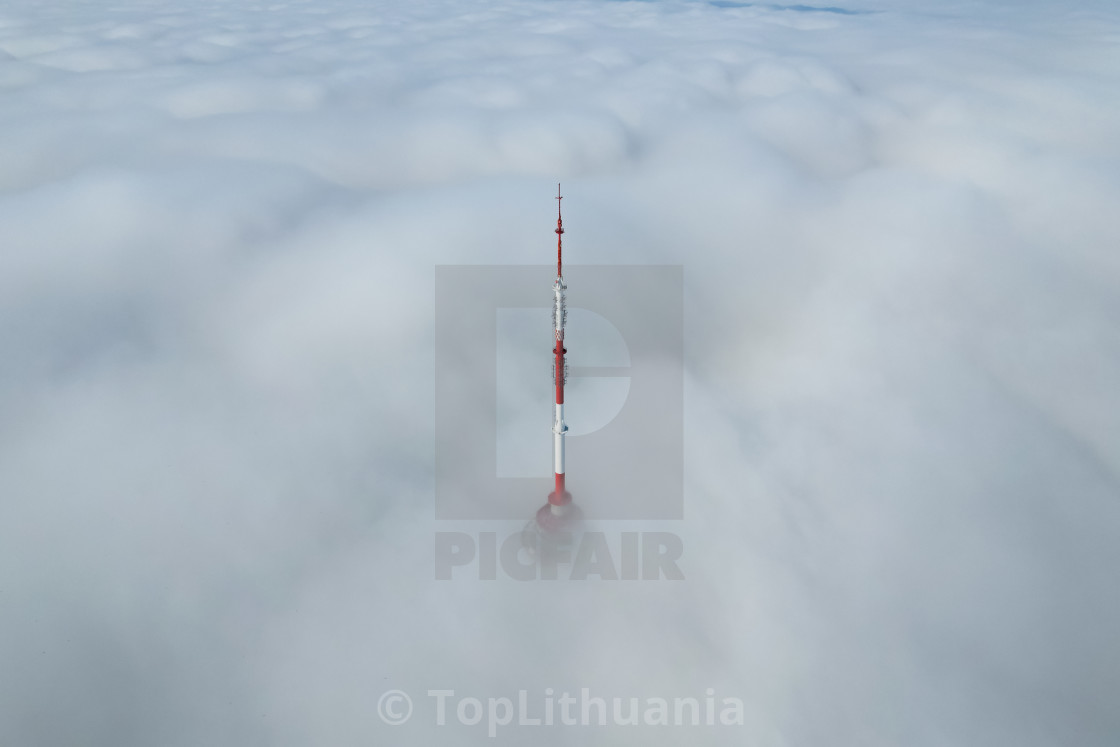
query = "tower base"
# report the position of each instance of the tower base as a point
(551, 519)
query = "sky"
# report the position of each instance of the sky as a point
(219, 228)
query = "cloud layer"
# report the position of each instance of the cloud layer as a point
(219, 226)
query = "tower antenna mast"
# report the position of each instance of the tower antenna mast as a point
(559, 498)
(559, 511)
(559, 235)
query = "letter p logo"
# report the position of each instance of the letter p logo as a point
(626, 461)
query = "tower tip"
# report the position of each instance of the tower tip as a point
(559, 232)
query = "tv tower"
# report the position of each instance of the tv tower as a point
(559, 511)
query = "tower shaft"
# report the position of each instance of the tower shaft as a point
(559, 496)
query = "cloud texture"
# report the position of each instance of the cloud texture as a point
(218, 228)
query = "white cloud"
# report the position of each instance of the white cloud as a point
(219, 225)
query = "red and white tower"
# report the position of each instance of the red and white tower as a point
(559, 510)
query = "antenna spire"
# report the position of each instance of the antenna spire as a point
(559, 232)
